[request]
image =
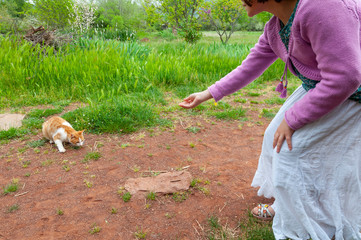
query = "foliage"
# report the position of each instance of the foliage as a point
(82, 16)
(119, 14)
(54, 13)
(180, 15)
(191, 33)
(16, 8)
(120, 116)
(110, 33)
(223, 15)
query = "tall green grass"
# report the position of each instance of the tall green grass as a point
(98, 71)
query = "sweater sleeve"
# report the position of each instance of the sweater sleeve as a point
(258, 60)
(334, 34)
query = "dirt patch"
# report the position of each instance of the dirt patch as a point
(72, 196)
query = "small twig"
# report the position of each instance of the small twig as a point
(225, 204)
(20, 194)
(24, 186)
(200, 225)
(196, 230)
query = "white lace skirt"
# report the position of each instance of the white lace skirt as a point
(317, 185)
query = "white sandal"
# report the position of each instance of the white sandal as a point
(263, 213)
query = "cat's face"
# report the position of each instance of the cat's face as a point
(77, 138)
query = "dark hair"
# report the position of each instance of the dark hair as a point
(249, 2)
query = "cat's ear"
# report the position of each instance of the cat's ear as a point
(81, 132)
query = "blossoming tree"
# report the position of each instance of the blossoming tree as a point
(223, 16)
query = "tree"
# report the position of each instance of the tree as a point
(223, 16)
(54, 13)
(82, 15)
(16, 8)
(119, 14)
(179, 14)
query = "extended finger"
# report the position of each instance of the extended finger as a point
(289, 142)
(275, 139)
(280, 141)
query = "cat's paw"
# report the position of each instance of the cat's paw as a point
(62, 150)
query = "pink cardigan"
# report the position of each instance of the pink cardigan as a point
(325, 45)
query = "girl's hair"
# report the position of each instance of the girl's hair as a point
(249, 2)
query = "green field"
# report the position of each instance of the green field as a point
(122, 84)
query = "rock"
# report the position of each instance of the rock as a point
(163, 183)
(10, 120)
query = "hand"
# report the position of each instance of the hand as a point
(195, 99)
(283, 132)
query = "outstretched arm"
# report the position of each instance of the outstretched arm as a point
(195, 99)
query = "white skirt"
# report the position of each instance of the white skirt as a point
(317, 185)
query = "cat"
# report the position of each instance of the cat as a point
(58, 130)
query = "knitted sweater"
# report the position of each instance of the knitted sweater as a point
(325, 45)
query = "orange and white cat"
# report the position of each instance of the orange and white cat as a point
(58, 130)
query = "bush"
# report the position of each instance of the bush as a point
(191, 34)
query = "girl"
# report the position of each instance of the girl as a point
(315, 177)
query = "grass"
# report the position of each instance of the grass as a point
(151, 196)
(249, 229)
(91, 156)
(126, 197)
(121, 84)
(94, 229)
(11, 187)
(13, 208)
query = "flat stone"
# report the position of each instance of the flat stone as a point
(164, 183)
(8, 120)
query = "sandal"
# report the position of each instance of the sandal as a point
(263, 213)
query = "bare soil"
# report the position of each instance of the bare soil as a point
(61, 197)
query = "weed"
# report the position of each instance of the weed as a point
(240, 100)
(180, 196)
(59, 212)
(135, 168)
(27, 174)
(192, 145)
(13, 208)
(126, 197)
(12, 187)
(193, 129)
(151, 196)
(91, 156)
(204, 190)
(26, 163)
(36, 143)
(114, 210)
(66, 168)
(195, 182)
(47, 162)
(169, 215)
(140, 234)
(23, 149)
(268, 113)
(124, 145)
(94, 229)
(88, 183)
